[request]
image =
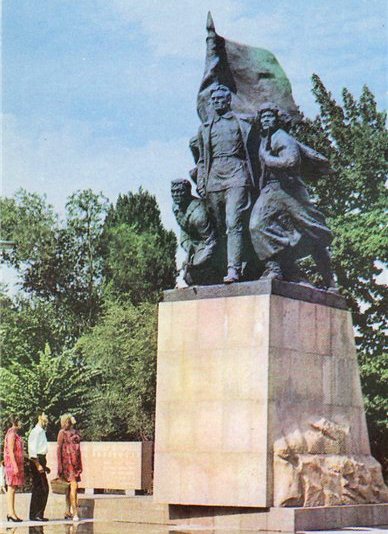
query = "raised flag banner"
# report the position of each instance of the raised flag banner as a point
(253, 75)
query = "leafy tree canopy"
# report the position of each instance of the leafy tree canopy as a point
(122, 348)
(139, 252)
(55, 384)
(354, 138)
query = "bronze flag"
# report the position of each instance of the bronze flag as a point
(254, 76)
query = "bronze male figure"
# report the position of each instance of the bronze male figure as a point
(225, 177)
(197, 235)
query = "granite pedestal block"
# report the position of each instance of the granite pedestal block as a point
(259, 400)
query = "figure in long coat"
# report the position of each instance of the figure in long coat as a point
(284, 224)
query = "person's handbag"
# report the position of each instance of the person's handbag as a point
(59, 485)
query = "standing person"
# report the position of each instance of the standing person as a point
(37, 450)
(225, 177)
(284, 224)
(69, 462)
(13, 465)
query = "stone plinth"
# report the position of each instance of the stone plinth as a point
(259, 401)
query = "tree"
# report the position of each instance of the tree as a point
(139, 252)
(58, 262)
(354, 138)
(69, 271)
(30, 222)
(85, 220)
(55, 384)
(122, 349)
(28, 324)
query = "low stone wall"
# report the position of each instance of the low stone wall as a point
(111, 465)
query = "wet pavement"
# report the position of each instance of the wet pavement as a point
(93, 527)
(116, 527)
(122, 527)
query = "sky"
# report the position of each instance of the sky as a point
(102, 93)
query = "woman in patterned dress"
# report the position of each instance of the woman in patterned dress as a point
(13, 465)
(69, 463)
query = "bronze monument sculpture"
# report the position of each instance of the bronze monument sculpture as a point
(249, 174)
(284, 224)
(197, 235)
(259, 404)
(225, 176)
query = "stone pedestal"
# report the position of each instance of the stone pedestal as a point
(259, 401)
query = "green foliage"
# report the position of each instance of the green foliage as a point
(139, 252)
(122, 348)
(31, 223)
(55, 384)
(58, 263)
(70, 271)
(354, 138)
(85, 220)
(139, 210)
(28, 324)
(374, 373)
(139, 265)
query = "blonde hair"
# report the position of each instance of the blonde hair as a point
(65, 418)
(42, 417)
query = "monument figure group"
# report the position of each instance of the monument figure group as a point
(253, 217)
(259, 402)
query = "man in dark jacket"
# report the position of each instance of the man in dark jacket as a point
(225, 177)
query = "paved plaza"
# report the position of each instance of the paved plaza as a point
(123, 527)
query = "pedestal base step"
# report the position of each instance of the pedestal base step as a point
(282, 519)
(143, 510)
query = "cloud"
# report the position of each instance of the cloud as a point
(342, 42)
(59, 161)
(175, 28)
